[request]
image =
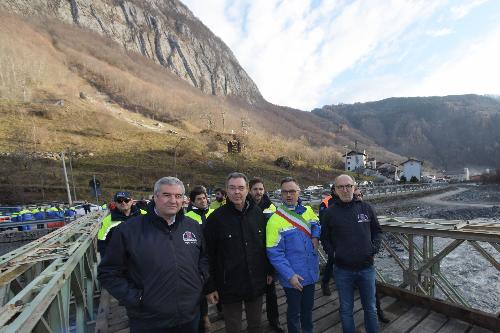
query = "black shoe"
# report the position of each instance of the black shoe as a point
(326, 289)
(276, 327)
(382, 318)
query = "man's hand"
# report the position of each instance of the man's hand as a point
(295, 281)
(269, 279)
(213, 298)
(315, 242)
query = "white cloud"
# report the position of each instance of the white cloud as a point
(471, 69)
(440, 32)
(337, 51)
(462, 10)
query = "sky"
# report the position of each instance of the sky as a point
(309, 53)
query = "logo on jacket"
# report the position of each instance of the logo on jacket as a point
(188, 237)
(363, 218)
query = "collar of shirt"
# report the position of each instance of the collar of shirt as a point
(169, 224)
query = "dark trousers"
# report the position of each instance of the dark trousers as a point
(328, 271)
(300, 306)
(233, 320)
(190, 327)
(203, 313)
(272, 304)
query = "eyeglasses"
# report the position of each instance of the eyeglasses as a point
(122, 200)
(288, 192)
(344, 187)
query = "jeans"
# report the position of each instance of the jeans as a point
(346, 282)
(233, 320)
(328, 271)
(300, 306)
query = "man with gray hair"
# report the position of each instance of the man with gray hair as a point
(239, 269)
(350, 234)
(156, 265)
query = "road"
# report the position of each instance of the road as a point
(437, 200)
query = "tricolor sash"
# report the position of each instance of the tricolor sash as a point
(295, 219)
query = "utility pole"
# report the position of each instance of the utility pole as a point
(95, 190)
(71, 170)
(223, 120)
(66, 179)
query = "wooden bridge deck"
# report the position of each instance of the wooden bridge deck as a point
(404, 316)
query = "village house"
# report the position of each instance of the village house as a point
(355, 160)
(412, 167)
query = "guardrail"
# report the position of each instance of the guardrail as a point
(6, 225)
(51, 282)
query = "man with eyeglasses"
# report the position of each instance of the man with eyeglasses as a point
(124, 209)
(239, 269)
(351, 235)
(157, 265)
(292, 238)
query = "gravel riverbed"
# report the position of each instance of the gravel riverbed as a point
(468, 271)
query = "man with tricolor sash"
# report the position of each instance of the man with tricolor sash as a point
(292, 235)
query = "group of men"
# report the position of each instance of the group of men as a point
(165, 266)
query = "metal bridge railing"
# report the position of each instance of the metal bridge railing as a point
(420, 260)
(39, 281)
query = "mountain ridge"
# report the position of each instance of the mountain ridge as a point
(451, 131)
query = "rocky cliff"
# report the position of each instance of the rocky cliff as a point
(163, 30)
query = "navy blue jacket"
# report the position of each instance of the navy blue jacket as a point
(157, 271)
(350, 234)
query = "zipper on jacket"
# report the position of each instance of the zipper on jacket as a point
(176, 273)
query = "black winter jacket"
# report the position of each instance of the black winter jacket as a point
(350, 234)
(237, 252)
(157, 271)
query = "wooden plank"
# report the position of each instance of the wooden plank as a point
(472, 316)
(407, 321)
(454, 326)
(432, 323)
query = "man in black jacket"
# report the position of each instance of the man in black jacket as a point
(260, 197)
(157, 267)
(239, 269)
(351, 235)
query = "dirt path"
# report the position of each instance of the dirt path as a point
(437, 200)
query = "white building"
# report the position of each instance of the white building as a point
(371, 163)
(355, 160)
(412, 167)
(459, 175)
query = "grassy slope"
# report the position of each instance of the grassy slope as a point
(41, 65)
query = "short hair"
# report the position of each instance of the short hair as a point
(254, 181)
(196, 191)
(168, 181)
(235, 175)
(288, 180)
(221, 190)
(344, 175)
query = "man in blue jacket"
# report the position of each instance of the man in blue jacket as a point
(158, 267)
(292, 235)
(351, 234)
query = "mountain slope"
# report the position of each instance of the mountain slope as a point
(451, 131)
(164, 31)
